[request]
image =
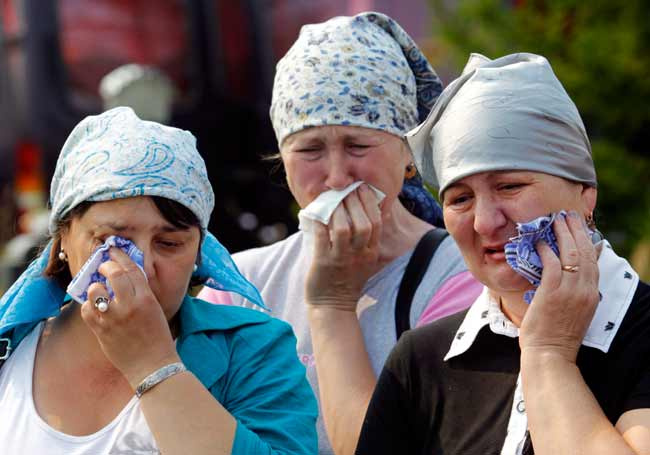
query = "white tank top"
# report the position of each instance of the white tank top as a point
(23, 431)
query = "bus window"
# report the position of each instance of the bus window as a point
(96, 40)
(288, 16)
(10, 25)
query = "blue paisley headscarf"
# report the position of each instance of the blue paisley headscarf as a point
(362, 71)
(116, 155)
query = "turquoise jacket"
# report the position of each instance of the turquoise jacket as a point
(248, 361)
(245, 358)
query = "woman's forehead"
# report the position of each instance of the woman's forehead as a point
(493, 175)
(124, 213)
(336, 132)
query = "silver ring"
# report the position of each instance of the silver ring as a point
(570, 268)
(101, 303)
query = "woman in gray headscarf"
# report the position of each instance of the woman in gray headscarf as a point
(553, 355)
(343, 96)
(134, 364)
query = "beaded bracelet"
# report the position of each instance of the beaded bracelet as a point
(159, 376)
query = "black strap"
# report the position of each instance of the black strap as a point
(415, 270)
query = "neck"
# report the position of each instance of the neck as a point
(68, 333)
(513, 306)
(400, 232)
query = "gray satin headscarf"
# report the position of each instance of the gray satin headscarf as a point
(511, 113)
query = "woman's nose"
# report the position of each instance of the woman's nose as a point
(149, 268)
(488, 217)
(339, 172)
(148, 265)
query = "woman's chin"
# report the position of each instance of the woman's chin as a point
(507, 281)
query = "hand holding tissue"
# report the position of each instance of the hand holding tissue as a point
(521, 251)
(321, 209)
(89, 274)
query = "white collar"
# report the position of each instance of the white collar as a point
(617, 283)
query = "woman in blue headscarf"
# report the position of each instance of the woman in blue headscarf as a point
(133, 364)
(343, 96)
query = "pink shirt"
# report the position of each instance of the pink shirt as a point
(456, 294)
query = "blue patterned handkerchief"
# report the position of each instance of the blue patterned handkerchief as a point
(78, 287)
(521, 254)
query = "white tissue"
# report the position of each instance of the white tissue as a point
(323, 206)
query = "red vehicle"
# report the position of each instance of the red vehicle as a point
(220, 55)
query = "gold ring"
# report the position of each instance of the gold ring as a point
(570, 268)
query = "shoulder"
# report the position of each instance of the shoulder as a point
(439, 333)
(635, 326)
(267, 333)
(446, 262)
(642, 294)
(291, 243)
(246, 325)
(230, 336)
(448, 251)
(197, 315)
(267, 257)
(427, 345)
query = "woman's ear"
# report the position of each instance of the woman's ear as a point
(63, 237)
(589, 197)
(406, 153)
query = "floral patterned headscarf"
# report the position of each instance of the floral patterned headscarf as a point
(361, 71)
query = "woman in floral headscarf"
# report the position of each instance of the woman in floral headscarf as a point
(343, 96)
(130, 205)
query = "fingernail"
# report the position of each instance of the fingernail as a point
(573, 214)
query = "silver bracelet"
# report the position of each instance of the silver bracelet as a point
(159, 376)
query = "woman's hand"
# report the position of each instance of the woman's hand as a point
(565, 302)
(133, 333)
(346, 253)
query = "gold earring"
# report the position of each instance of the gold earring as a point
(591, 224)
(410, 171)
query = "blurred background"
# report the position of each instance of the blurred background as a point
(207, 66)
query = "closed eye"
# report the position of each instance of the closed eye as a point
(460, 200)
(457, 200)
(98, 241)
(312, 153)
(169, 244)
(511, 186)
(358, 150)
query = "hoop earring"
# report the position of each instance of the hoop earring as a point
(591, 224)
(410, 171)
(596, 235)
(62, 256)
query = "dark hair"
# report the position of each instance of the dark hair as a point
(173, 212)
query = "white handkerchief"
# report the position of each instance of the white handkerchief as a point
(78, 287)
(323, 206)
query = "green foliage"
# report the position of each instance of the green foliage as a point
(599, 50)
